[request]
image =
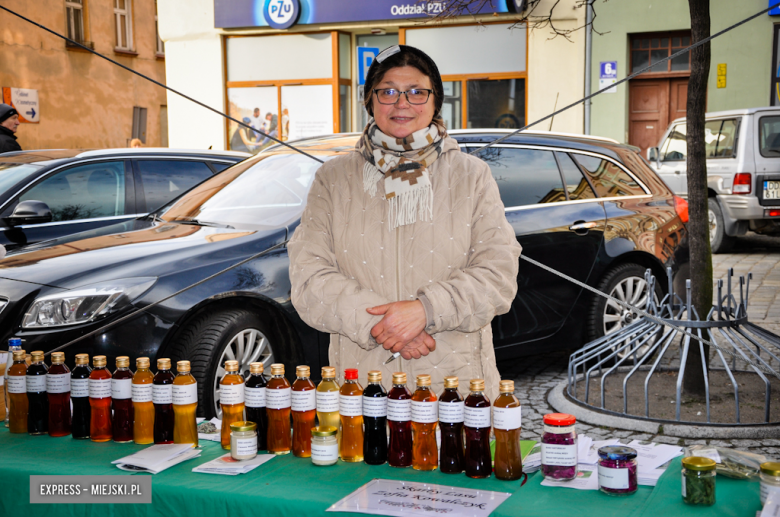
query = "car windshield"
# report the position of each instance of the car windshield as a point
(268, 193)
(13, 173)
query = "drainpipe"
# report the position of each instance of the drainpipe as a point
(588, 60)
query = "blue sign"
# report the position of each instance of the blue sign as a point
(608, 70)
(365, 56)
(281, 14)
(776, 10)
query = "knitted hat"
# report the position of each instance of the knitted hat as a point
(7, 112)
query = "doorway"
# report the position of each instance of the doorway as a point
(653, 105)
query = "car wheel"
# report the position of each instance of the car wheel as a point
(625, 282)
(719, 241)
(214, 338)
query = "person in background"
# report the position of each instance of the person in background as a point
(269, 128)
(243, 138)
(9, 123)
(257, 124)
(135, 143)
(285, 127)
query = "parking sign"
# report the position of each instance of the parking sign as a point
(365, 56)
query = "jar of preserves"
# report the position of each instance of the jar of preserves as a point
(617, 470)
(770, 480)
(243, 440)
(559, 447)
(698, 481)
(324, 446)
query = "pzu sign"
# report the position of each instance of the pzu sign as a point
(281, 14)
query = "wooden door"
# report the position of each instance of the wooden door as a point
(653, 105)
(678, 98)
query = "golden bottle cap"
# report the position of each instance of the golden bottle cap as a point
(506, 387)
(477, 384)
(256, 368)
(771, 468)
(164, 364)
(302, 372)
(82, 359)
(374, 376)
(277, 369)
(328, 372)
(231, 366)
(243, 426)
(98, 361)
(424, 380)
(37, 356)
(451, 382)
(58, 358)
(142, 362)
(698, 463)
(399, 378)
(123, 361)
(19, 355)
(323, 431)
(183, 366)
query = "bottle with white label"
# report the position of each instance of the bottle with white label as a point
(328, 399)
(185, 405)
(375, 420)
(143, 403)
(100, 428)
(351, 413)
(79, 397)
(17, 393)
(14, 344)
(254, 400)
(162, 397)
(231, 400)
(506, 426)
(451, 409)
(559, 447)
(58, 391)
(122, 400)
(304, 410)
(476, 416)
(37, 399)
(425, 415)
(278, 400)
(399, 420)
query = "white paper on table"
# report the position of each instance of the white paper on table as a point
(651, 456)
(583, 446)
(587, 479)
(227, 465)
(155, 455)
(771, 508)
(592, 456)
(401, 498)
(159, 467)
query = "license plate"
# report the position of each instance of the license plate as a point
(772, 190)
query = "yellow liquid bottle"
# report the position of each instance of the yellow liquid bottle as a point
(143, 406)
(185, 405)
(231, 399)
(425, 418)
(351, 412)
(328, 399)
(17, 393)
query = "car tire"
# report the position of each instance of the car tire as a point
(214, 337)
(719, 241)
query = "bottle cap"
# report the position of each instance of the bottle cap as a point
(700, 463)
(231, 366)
(58, 358)
(477, 384)
(19, 355)
(374, 376)
(37, 356)
(399, 378)
(451, 382)
(560, 419)
(351, 374)
(122, 361)
(506, 387)
(424, 380)
(98, 361)
(328, 372)
(771, 468)
(164, 364)
(277, 369)
(243, 426)
(183, 366)
(256, 368)
(142, 362)
(302, 372)
(323, 431)
(15, 341)
(621, 453)
(82, 359)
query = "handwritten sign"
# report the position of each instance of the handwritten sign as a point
(387, 497)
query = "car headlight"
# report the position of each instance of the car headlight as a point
(86, 303)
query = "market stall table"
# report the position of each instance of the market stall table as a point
(293, 487)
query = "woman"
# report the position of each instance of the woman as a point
(404, 245)
(242, 139)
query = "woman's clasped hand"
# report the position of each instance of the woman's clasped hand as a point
(402, 329)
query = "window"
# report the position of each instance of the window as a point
(648, 49)
(164, 180)
(451, 110)
(577, 187)
(675, 147)
(83, 192)
(769, 136)
(75, 20)
(720, 137)
(774, 95)
(496, 103)
(160, 43)
(123, 25)
(608, 179)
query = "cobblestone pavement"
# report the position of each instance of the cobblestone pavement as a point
(536, 375)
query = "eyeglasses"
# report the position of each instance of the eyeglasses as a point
(391, 95)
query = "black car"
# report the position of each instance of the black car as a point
(52, 193)
(590, 208)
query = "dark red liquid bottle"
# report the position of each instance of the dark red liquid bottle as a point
(451, 408)
(399, 419)
(79, 396)
(58, 389)
(477, 425)
(37, 400)
(162, 397)
(122, 400)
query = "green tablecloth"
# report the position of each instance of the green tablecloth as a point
(292, 487)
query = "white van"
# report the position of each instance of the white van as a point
(743, 171)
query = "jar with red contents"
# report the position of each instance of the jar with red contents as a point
(559, 447)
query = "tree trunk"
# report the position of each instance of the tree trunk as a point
(698, 224)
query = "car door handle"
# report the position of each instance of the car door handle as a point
(679, 172)
(583, 226)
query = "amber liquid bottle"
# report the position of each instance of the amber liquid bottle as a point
(451, 425)
(100, 400)
(351, 413)
(425, 416)
(328, 399)
(231, 400)
(506, 426)
(79, 397)
(37, 399)
(162, 398)
(58, 390)
(399, 420)
(185, 405)
(17, 393)
(375, 420)
(304, 410)
(122, 400)
(477, 425)
(277, 405)
(143, 403)
(254, 399)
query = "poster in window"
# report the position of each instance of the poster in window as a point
(258, 108)
(307, 111)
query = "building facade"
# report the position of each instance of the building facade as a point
(84, 101)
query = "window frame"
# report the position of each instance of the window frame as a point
(671, 49)
(160, 48)
(71, 6)
(127, 12)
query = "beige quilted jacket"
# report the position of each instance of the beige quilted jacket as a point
(344, 260)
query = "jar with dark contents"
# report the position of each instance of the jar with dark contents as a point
(617, 470)
(698, 481)
(559, 447)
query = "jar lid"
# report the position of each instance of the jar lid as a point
(771, 468)
(243, 426)
(617, 452)
(82, 359)
(37, 356)
(164, 364)
(399, 378)
(328, 372)
(302, 371)
(58, 358)
(424, 380)
(231, 366)
(122, 361)
(141, 362)
(183, 366)
(256, 368)
(451, 382)
(506, 387)
(323, 431)
(374, 376)
(99, 360)
(559, 419)
(477, 385)
(351, 374)
(698, 463)
(277, 369)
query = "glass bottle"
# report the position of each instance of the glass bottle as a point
(185, 405)
(770, 480)
(231, 400)
(399, 420)
(351, 414)
(143, 405)
(506, 426)
(58, 390)
(277, 407)
(254, 399)
(476, 415)
(122, 400)
(162, 398)
(451, 424)
(100, 400)
(17, 393)
(79, 397)
(304, 408)
(37, 399)
(14, 344)
(425, 415)
(375, 420)
(328, 399)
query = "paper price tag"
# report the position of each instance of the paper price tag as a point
(36, 383)
(230, 394)
(183, 394)
(399, 410)
(324, 452)
(559, 455)
(79, 388)
(121, 389)
(375, 407)
(507, 418)
(351, 405)
(425, 412)
(278, 399)
(476, 417)
(142, 393)
(17, 384)
(99, 388)
(612, 478)
(304, 400)
(58, 383)
(254, 397)
(327, 401)
(246, 446)
(162, 393)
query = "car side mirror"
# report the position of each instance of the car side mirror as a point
(30, 212)
(653, 155)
